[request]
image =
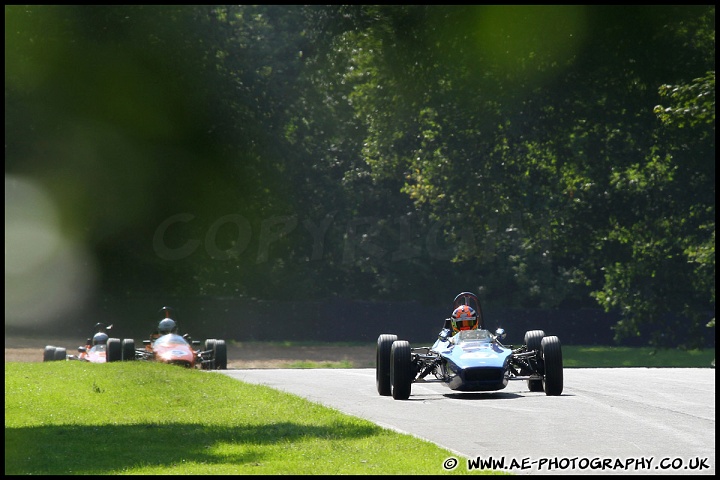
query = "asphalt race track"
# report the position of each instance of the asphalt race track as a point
(607, 421)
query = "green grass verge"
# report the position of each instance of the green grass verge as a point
(145, 418)
(311, 364)
(582, 357)
(74, 418)
(610, 357)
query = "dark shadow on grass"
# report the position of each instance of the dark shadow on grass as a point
(85, 450)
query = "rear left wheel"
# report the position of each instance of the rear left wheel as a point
(382, 363)
(220, 355)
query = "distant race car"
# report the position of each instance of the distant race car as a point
(101, 348)
(469, 361)
(166, 346)
(174, 349)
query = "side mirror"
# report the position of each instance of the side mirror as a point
(443, 336)
(82, 349)
(500, 333)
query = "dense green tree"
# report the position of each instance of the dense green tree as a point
(518, 154)
(672, 236)
(542, 156)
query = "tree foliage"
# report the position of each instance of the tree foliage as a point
(373, 152)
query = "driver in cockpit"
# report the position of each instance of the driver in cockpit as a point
(166, 325)
(463, 317)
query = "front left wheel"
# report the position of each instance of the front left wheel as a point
(552, 359)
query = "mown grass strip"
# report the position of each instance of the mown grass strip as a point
(65, 418)
(582, 357)
(611, 357)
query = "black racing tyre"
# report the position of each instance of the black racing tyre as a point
(382, 363)
(552, 357)
(114, 350)
(49, 353)
(128, 349)
(220, 355)
(60, 353)
(535, 385)
(401, 370)
(533, 340)
(209, 345)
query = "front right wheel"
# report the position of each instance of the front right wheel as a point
(401, 370)
(128, 349)
(60, 353)
(113, 353)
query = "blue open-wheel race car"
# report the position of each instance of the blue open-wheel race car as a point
(468, 358)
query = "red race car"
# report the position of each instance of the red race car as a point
(167, 346)
(174, 349)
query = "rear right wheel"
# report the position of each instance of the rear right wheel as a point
(220, 355)
(533, 341)
(382, 363)
(209, 345)
(49, 353)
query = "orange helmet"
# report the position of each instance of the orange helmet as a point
(464, 318)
